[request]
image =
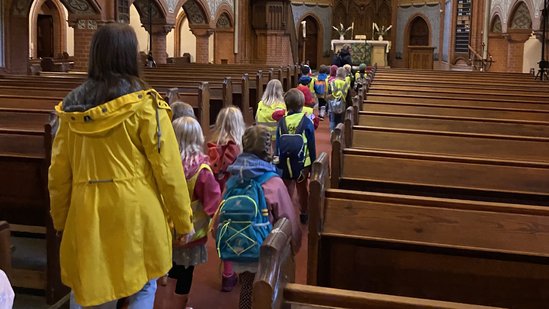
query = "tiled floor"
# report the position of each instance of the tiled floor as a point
(205, 293)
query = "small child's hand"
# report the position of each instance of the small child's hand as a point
(184, 239)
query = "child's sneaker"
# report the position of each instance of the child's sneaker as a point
(228, 283)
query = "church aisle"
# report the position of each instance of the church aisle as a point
(206, 293)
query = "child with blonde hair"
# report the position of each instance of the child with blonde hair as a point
(271, 108)
(223, 148)
(205, 198)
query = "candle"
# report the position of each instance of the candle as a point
(304, 25)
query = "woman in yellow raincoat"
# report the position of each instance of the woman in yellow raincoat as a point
(115, 176)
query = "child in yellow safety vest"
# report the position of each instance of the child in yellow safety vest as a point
(271, 108)
(205, 198)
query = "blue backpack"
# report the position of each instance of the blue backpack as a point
(292, 149)
(243, 219)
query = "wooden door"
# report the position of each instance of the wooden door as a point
(419, 32)
(311, 42)
(45, 36)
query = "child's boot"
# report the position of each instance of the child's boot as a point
(180, 302)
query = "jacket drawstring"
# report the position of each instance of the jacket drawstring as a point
(158, 130)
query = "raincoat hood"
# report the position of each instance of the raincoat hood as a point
(99, 120)
(305, 80)
(249, 165)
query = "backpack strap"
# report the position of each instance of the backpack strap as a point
(301, 126)
(283, 126)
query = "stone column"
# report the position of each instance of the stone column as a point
(159, 33)
(202, 44)
(83, 33)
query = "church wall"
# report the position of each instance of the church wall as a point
(70, 36)
(188, 41)
(142, 34)
(404, 17)
(223, 46)
(497, 47)
(324, 14)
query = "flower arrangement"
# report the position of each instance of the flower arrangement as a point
(381, 32)
(342, 31)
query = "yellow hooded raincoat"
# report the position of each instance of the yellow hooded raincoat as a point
(115, 174)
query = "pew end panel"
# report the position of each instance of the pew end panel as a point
(245, 103)
(276, 267)
(337, 140)
(227, 92)
(5, 248)
(204, 107)
(348, 124)
(318, 185)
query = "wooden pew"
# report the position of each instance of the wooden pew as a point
(455, 124)
(438, 175)
(456, 111)
(416, 246)
(490, 146)
(407, 94)
(274, 287)
(24, 202)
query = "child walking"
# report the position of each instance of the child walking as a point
(338, 90)
(271, 108)
(321, 88)
(205, 197)
(225, 145)
(296, 164)
(255, 164)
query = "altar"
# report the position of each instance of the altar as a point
(366, 51)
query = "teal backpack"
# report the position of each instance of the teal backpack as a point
(243, 219)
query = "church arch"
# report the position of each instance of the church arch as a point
(223, 15)
(417, 32)
(520, 17)
(495, 25)
(196, 12)
(47, 29)
(314, 39)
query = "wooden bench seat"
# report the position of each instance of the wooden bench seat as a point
(458, 84)
(274, 287)
(456, 95)
(444, 91)
(456, 111)
(455, 124)
(438, 175)
(416, 246)
(490, 146)
(457, 102)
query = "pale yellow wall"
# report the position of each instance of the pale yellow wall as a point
(142, 34)
(532, 54)
(188, 41)
(70, 36)
(170, 40)
(211, 48)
